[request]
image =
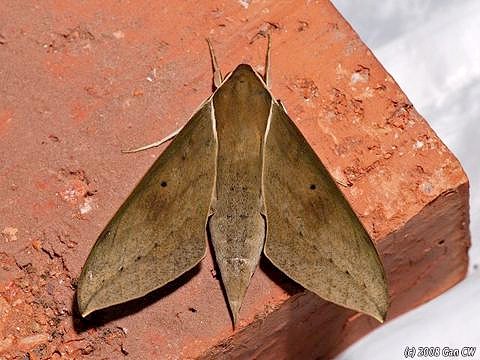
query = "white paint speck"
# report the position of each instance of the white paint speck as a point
(153, 75)
(358, 77)
(69, 195)
(86, 207)
(367, 93)
(426, 187)
(418, 145)
(245, 3)
(119, 34)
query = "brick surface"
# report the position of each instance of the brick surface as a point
(81, 80)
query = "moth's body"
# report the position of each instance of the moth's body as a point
(241, 168)
(237, 226)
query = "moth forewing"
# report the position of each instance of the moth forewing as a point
(159, 232)
(313, 235)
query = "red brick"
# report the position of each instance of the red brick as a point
(70, 77)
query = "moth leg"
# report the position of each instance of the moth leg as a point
(217, 74)
(155, 144)
(268, 80)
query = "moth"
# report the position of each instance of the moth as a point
(241, 169)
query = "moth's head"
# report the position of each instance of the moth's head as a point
(245, 71)
(244, 79)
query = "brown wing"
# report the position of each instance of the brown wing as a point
(313, 235)
(159, 232)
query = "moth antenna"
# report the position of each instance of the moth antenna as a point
(268, 80)
(217, 74)
(155, 144)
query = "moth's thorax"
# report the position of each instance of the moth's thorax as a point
(242, 102)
